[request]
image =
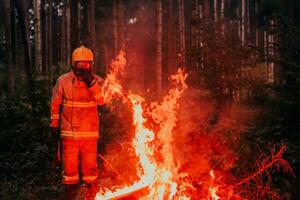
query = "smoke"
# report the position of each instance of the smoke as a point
(140, 46)
(206, 140)
(131, 27)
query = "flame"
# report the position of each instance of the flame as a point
(112, 86)
(213, 190)
(164, 114)
(161, 177)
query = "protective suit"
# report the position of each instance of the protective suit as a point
(75, 98)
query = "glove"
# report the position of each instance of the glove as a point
(55, 133)
(87, 77)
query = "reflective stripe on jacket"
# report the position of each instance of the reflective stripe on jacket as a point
(74, 107)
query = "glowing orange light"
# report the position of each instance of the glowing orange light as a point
(160, 177)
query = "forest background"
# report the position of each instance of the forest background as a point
(242, 56)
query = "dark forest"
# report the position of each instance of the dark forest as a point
(218, 82)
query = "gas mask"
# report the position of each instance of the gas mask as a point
(82, 69)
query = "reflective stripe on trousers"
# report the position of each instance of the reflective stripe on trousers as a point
(71, 179)
(89, 179)
(55, 116)
(83, 151)
(79, 135)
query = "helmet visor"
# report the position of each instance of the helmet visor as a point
(83, 65)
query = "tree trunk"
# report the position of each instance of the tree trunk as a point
(63, 41)
(265, 48)
(8, 47)
(215, 10)
(37, 36)
(243, 23)
(49, 46)
(79, 25)
(222, 18)
(170, 40)
(270, 53)
(222, 9)
(24, 32)
(91, 20)
(74, 30)
(196, 39)
(19, 50)
(158, 46)
(248, 19)
(14, 31)
(68, 33)
(206, 12)
(200, 40)
(120, 24)
(44, 11)
(256, 24)
(88, 28)
(115, 27)
(181, 33)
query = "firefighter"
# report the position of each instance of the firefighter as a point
(74, 120)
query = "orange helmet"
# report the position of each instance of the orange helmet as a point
(82, 54)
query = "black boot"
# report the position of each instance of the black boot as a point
(71, 191)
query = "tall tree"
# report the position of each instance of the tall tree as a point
(248, 17)
(196, 38)
(118, 25)
(256, 23)
(44, 30)
(158, 64)
(8, 47)
(50, 45)
(74, 29)
(115, 27)
(215, 10)
(14, 35)
(206, 9)
(170, 39)
(243, 22)
(68, 33)
(181, 33)
(270, 52)
(37, 36)
(21, 9)
(63, 34)
(79, 20)
(222, 17)
(91, 20)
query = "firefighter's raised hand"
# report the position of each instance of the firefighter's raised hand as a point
(83, 70)
(87, 77)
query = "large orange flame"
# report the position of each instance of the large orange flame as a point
(161, 177)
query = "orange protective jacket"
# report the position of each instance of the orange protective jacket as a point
(74, 107)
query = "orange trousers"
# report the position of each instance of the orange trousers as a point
(83, 152)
